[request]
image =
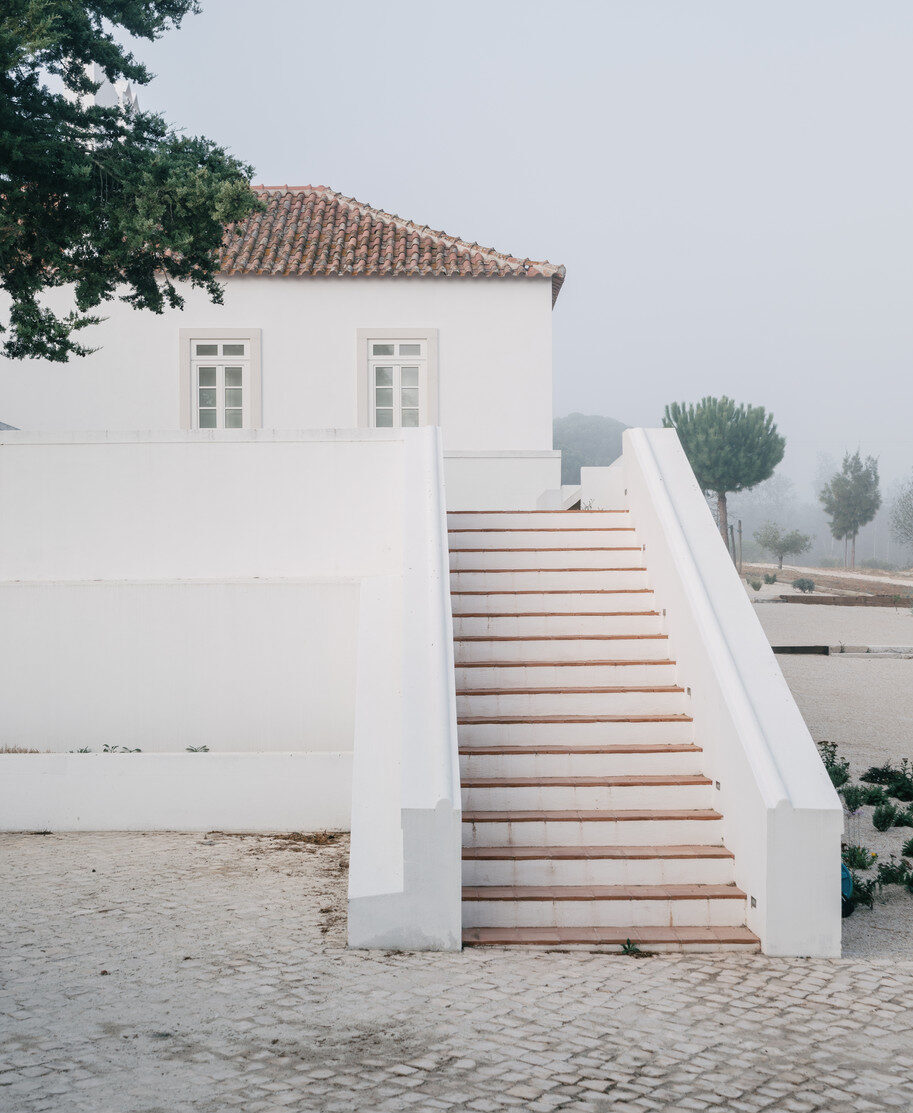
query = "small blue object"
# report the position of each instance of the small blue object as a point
(846, 883)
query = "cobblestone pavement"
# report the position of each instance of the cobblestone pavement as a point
(162, 973)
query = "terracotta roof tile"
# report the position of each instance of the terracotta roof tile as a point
(312, 230)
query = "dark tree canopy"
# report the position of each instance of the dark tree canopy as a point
(107, 202)
(730, 447)
(587, 440)
(851, 498)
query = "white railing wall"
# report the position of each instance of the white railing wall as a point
(404, 871)
(782, 817)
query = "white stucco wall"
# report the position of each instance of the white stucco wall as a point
(495, 358)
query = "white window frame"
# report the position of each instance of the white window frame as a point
(428, 395)
(252, 397)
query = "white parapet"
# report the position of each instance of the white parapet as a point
(405, 858)
(781, 816)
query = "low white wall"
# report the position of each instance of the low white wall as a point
(782, 818)
(405, 857)
(500, 480)
(603, 488)
(175, 792)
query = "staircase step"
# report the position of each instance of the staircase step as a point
(504, 599)
(605, 700)
(561, 647)
(597, 865)
(564, 674)
(598, 905)
(567, 827)
(480, 624)
(562, 759)
(536, 519)
(634, 790)
(605, 556)
(566, 578)
(685, 938)
(573, 730)
(553, 537)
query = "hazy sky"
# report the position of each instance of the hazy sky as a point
(729, 184)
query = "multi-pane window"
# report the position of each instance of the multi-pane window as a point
(397, 372)
(220, 384)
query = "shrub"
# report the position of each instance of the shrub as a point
(859, 857)
(904, 818)
(770, 577)
(837, 769)
(863, 891)
(854, 796)
(879, 774)
(907, 849)
(897, 782)
(755, 585)
(875, 795)
(893, 872)
(803, 584)
(883, 817)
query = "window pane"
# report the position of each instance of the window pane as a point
(233, 396)
(207, 396)
(384, 396)
(410, 376)
(207, 349)
(233, 376)
(381, 349)
(383, 376)
(410, 395)
(207, 419)
(232, 349)
(410, 349)
(232, 419)
(410, 419)
(384, 419)
(207, 376)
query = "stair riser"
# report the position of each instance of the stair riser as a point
(557, 558)
(545, 625)
(610, 578)
(575, 798)
(652, 648)
(573, 703)
(538, 520)
(600, 871)
(579, 765)
(565, 676)
(567, 832)
(604, 913)
(553, 537)
(499, 599)
(573, 734)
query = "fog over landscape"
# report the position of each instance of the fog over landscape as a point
(729, 186)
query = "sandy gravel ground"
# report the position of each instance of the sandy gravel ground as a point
(797, 624)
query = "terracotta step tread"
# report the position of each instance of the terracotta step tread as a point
(614, 936)
(559, 590)
(507, 720)
(601, 892)
(591, 815)
(623, 780)
(555, 614)
(541, 529)
(556, 665)
(502, 571)
(616, 689)
(587, 750)
(554, 549)
(574, 853)
(560, 637)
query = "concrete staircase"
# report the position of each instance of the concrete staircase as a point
(586, 815)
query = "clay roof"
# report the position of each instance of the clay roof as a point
(312, 230)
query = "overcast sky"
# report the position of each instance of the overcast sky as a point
(729, 184)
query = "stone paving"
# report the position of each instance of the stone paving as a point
(163, 973)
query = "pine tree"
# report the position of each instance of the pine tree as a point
(851, 499)
(108, 202)
(730, 447)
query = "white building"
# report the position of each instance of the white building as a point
(227, 530)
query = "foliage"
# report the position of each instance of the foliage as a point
(755, 585)
(107, 749)
(730, 447)
(907, 849)
(875, 795)
(859, 857)
(782, 543)
(837, 769)
(804, 584)
(630, 948)
(770, 577)
(197, 749)
(851, 498)
(863, 891)
(902, 514)
(897, 781)
(853, 796)
(883, 817)
(587, 440)
(893, 872)
(107, 202)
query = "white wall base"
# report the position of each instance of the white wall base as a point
(175, 792)
(500, 480)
